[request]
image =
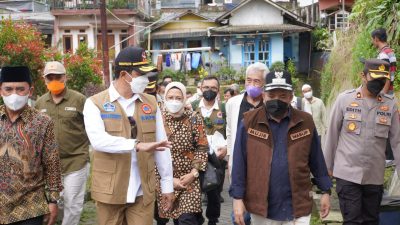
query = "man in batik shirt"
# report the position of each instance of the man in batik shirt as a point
(30, 178)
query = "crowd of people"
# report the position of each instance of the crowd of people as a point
(157, 147)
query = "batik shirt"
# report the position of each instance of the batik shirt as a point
(30, 172)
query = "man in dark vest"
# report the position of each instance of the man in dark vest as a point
(127, 133)
(213, 113)
(276, 149)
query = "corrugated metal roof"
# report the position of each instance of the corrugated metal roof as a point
(182, 33)
(260, 28)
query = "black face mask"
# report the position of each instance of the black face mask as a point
(276, 107)
(375, 86)
(209, 95)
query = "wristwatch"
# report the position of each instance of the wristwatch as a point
(196, 174)
(329, 192)
(135, 146)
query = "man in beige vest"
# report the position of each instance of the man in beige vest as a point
(125, 128)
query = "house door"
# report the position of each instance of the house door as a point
(287, 48)
(256, 50)
(111, 42)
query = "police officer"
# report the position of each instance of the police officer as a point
(361, 121)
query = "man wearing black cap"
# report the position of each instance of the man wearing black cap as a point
(276, 148)
(29, 155)
(361, 122)
(126, 130)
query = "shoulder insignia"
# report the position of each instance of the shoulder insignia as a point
(358, 94)
(350, 91)
(388, 96)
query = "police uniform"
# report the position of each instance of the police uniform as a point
(355, 147)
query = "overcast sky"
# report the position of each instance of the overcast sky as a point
(305, 2)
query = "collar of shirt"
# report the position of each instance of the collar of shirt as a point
(114, 95)
(66, 97)
(25, 114)
(215, 106)
(251, 105)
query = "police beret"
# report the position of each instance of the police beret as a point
(15, 74)
(377, 68)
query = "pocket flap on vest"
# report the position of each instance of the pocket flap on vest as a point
(105, 165)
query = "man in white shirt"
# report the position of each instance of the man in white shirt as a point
(316, 108)
(126, 131)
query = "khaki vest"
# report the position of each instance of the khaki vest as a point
(110, 175)
(259, 156)
(217, 119)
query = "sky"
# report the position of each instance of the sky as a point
(305, 2)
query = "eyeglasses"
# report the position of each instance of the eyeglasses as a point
(206, 88)
(133, 124)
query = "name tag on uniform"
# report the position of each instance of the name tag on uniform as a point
(258, 133)
(111, 116)
(147, 117)
(43, 110)
(70, 109)
(300, 134)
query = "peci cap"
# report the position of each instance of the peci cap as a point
(377, 68)
(54, 67)
(278, 80)
(15, 74)
(134, 57)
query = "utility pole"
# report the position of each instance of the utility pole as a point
(103, 18)
(343, 9)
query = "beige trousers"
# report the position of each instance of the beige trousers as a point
(259, 220)
(125, 214)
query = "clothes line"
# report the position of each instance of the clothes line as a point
(180, 50)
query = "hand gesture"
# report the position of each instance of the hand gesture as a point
(325, 205)
(153, 146)
(221, 152)
(167, 201)
(239, 209)
(187, 179)
(178, 184)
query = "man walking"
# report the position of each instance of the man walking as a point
(213, 113)
(316, 108)
(126, 130)
(362, 120)
(276, 148)
(379, 40)
(65, 107)
(238, 105)
(30, 178)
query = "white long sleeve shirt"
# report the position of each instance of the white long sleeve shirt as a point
(103, 141)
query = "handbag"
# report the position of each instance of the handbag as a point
(212, 177)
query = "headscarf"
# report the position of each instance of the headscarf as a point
(178, 85)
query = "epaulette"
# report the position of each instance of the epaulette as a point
(391, 97)
(350, 91)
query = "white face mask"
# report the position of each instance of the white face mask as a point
(138, 84)
(15, 102)
(308, 95)
(173, 106)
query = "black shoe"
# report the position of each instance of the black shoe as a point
(221, 199)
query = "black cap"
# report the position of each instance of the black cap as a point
(134, 57)
(153, 77)
(278, 80)
(15, 74)
(377, 68)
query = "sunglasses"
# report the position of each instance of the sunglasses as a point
(133, 124)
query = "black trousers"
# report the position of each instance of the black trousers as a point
(359, 204)
(32, 221)
(184, 219)
(213, 210)
(223, 165)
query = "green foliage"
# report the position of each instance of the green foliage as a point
(291, 68)
(321, 39)
(82, 68)
(277, 66)
(176, 75)
(226, 72)
(343, 68)
(22, 45)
